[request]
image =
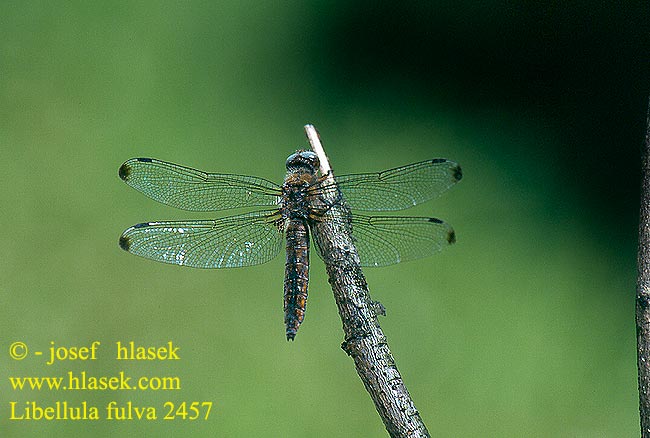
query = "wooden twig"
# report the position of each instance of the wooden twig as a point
(364, 340)
(643, 289)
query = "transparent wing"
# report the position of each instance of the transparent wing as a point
(399, 188)
(190, 189)
(230, 242)
(382, 241)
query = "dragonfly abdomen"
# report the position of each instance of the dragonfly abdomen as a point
(296, 279)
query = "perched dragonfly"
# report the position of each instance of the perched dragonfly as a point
(256, 237)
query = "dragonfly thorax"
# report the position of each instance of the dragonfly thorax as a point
(295, 194)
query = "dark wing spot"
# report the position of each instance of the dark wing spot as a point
(125, 171)
(438, 160)
(458, 173)
(125, 243)
(451, 237)
(434, 220)
(142, 225)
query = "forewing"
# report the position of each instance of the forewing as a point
(190, 189)
(399, 188)
(382, 241)
(230, 242)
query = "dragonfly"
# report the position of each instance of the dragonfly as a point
(291, 210)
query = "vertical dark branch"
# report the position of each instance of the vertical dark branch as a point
(643, 290)
(364, 340)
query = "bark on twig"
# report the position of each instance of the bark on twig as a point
(643, 290)
(364, 340)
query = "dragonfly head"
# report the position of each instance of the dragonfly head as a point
(305, 161)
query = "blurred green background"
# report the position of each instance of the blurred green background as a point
(523, 328)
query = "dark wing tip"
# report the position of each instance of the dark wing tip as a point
(126, 168)
(457, 173)
(451, 236)
(125, 171)
(125, 242)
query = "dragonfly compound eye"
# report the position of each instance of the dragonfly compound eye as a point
(304, 159)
